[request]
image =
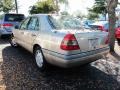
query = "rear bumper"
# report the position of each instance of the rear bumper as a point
(4, 32)
(75, 60)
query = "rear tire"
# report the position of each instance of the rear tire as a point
(12, 41)
(39, 59)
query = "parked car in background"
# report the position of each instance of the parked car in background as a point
(61, 42)
(8, 22)
(86, 23)
(117, 34)
(100, 25)
(104, 26)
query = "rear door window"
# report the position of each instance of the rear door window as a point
(33, 24)
(24, 24)
(14, 17)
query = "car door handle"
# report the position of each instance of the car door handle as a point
(33, 35)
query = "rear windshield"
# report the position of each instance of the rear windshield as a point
(64, 22)
(14, 17)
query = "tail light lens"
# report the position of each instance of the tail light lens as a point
(6, 25)
(101, 28)
(69, 43)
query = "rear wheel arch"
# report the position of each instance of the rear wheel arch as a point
(12, 40)
(12, 35)
(43, 62)
(36, 46)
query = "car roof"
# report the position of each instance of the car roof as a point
(42, 14)
(12, 14)
(100, 23)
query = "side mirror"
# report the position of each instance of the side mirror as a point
(16, 27)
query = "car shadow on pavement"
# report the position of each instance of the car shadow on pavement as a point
(115, 55)
(4, 41)
(20, 73)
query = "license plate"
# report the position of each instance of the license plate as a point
(93, 43)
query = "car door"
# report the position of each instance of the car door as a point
(31, 33)
(19, 34)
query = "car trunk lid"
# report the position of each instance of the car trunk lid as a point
(89, 39)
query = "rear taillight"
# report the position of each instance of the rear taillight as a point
(69, 43)
(101, 28)
(6, 25)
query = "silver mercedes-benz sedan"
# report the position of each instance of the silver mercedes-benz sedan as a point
(60, 40)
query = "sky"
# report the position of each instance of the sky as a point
(74, 5)
(23, 5)
(80, 5)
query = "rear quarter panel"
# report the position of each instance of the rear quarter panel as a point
(50, 41)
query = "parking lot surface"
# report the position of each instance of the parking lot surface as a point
(19, 72)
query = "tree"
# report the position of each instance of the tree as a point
(64, 13)
(16, 6)
(78, 14)
(92, 16)
(99, 7)
(6, 5)
(43, 7)
(111, 5)
(47, 6)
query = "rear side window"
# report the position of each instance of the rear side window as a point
(14, 17)
(24, 24)
(33, 24)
